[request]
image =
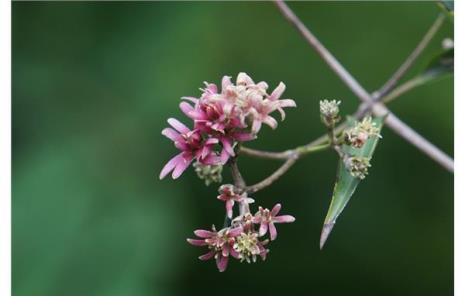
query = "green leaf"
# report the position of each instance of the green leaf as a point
(442, 64)
(346, 184)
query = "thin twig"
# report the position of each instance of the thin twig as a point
(236, 174)
(379, 109)
(273, 177)
(402, 70)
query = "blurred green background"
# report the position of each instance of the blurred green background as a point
(93, 85)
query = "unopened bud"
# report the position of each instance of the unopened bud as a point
(209, 173)
(329, 112)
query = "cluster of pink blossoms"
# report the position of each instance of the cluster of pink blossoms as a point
(220, 120)
(245, 238)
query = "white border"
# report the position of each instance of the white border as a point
(5, 155)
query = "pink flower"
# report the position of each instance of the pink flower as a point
(192, 146)
(221, 119)
(267, 218)
(229, 196)
(221, 244)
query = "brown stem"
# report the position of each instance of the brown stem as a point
(273, 177)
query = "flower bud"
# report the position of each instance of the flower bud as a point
(329, 112)
(209, 173)
(358, 166)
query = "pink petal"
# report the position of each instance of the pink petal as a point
(275, 210)
(243, 136)
(277, 92)
(170, 134)
(211, 141)
(256, 125)
(222, 263)
(225, 82)
(192, 99)
(211, 88)
(207, 256)
(263, 229)
(229, 208)
(271, 122)
(243, 78)
(171, 165)
(263, 85)
(211, 159)
(287, 103)
(227, 146)
(178, 125)
(224, 156)
(196, 242)
(233, 232)
(234, 253)
(284, 219)
(273, 232)
(181, 167)
(186, 108)
(203, 233)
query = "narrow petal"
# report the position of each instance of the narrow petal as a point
(211, 159)
(203, 233)
(192, 99)
(224, 156)
(233, 232)
(227, 146)
(256, 125)
(287, 103)
(225, 82)
(170, 134)
(243, 136)
(178, 125)
(273, 232)
(207, 256)
(229, 208)
(243, 78)
(263, 229)
(277, 92)
(234, 253)
(181, 167)
(271, 122)
(186, 108)
(222, 263)
(275, 210)
(196, 242)
(170, 165)
(284, 219)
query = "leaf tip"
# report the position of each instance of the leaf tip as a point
(327, 228)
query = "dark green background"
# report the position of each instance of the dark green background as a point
(93, 85)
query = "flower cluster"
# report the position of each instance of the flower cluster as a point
(245, 238)
(358, 166)
(221, 119)
(361, 132)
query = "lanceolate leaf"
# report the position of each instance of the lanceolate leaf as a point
(346, 184)
(442, 64)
